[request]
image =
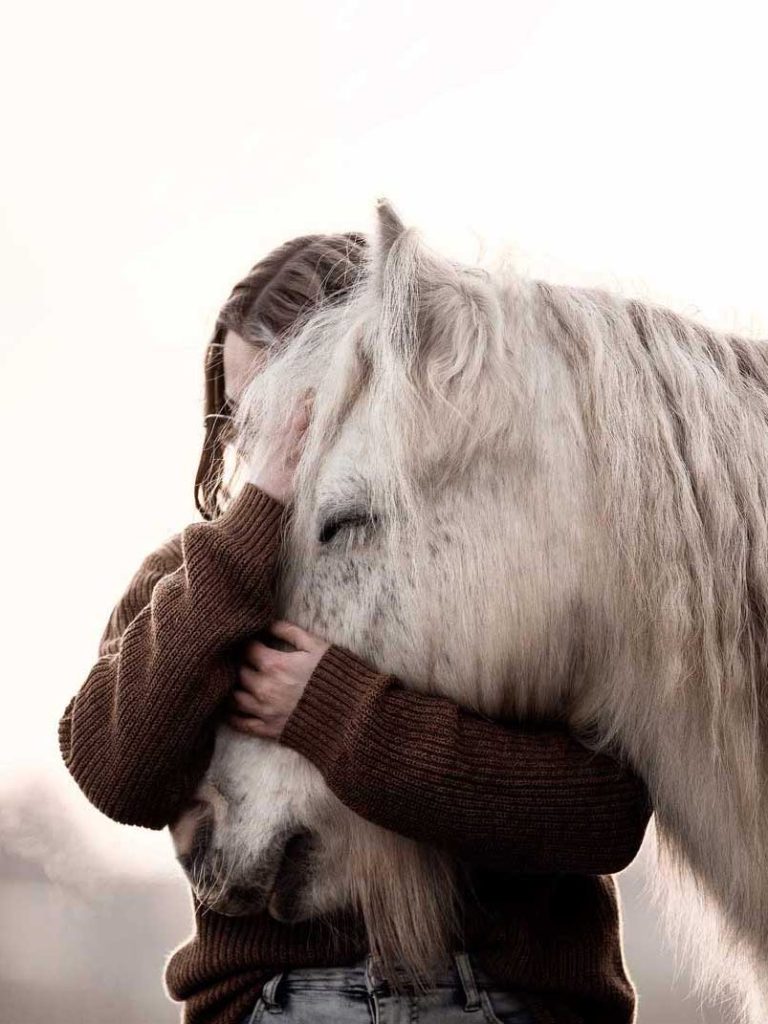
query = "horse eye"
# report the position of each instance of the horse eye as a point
(340, 521)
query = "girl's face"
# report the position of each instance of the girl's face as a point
(242, 360)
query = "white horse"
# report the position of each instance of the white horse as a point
(541, 500)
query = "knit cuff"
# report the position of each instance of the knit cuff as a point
(252, 525)
(64, 731)
(339, 693)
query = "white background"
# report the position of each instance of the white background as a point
(151, 153)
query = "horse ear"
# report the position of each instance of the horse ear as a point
(388, 229)
(400, 271)
(393, 277)
(432, 313)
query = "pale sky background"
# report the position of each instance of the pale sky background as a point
(153, 151)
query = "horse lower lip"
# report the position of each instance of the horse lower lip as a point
(239, 902)
(186, 862)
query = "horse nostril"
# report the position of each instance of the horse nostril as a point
(190, 861)
(192, 833)
(202, 837)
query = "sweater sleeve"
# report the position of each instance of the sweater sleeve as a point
(138, 735)
(507, 796)
(138, 593)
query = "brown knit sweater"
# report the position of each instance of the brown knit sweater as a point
(539, 821)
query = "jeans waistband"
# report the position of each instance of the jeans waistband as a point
(370, 975)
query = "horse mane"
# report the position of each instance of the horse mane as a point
(679, 415)
(670, 408)
(672, 418)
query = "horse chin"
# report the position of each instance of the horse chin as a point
(231, 899)
(222, 891)
(238, 902)
(290, 901)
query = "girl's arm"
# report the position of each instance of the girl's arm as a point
(516, 797)
(138, 593)
(138, 735)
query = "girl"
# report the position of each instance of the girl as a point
(538, 822)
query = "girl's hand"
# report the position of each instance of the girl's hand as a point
(274, 472)
(271, 682)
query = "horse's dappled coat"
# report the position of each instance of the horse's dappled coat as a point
(552, 501)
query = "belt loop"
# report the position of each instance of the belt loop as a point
(269, 994)
(376, 980)
(468, 983)
(372, 988)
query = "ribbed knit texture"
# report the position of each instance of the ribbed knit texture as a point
(538, 821)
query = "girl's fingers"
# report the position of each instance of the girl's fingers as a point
(249, 678)
(251, 726)
(304, 406)
(303, 415)
(293, 634)
(241, 701)
(296, 430)
(239, 723)
(257, 654)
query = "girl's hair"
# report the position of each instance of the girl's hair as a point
(262, 308)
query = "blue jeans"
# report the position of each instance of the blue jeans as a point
(361, 995)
